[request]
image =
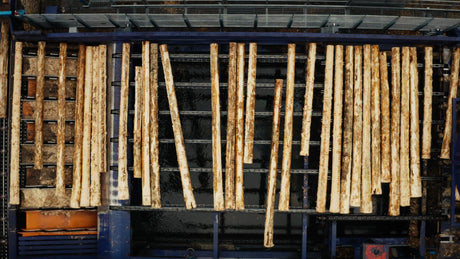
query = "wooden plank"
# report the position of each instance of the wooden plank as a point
(393, 207)
(51, 66)
(325, 131)
(103, 106)
(385, 109)
(427, 104)
(287, 142)
(47, 176)
(231, 129)
(271, 189)
(60, 132)
(366, 182)
(154, 139)
(15, 126)
(337, 133)
(50, 110)
(49, 154)
(137, 146)
(123, 189)
(50, 89)
(250, 105)
(355, 196)
(415, 180)
(375, 119)
(404, 161)
(95, 192)
(146, 195)
(39, 198)
(216, 141)
(4, 53)
(239, 149)
(49, 132)
(177, 129)
(308, 102)
(38, 112)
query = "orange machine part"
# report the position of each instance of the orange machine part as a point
(60, 219)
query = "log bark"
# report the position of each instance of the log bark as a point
(154, 139)
(231, 129)
(15, 125)
(103, 106)
(178, 137)
(78, 139)
(347, 154)
(250, 105)
(4, 44)
(393, 207)
(138, 109)
(447, 137)
(337, 132)
(375, 118)
(271, 190)
(146, 194)
(308, 102)
(287, 143)
(38, 112)
(60, 136)
(95, 188)
(355, 196)
(385, 109)
(325, 131)
(239, 149)
(415, 180)
(216, 141)
(123, 189)
(366, 185)
(404, 178)
(427, 104)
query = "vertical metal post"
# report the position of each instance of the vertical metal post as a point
(333, 238)
(423, 211)
(215, 241)
(12, 234)
(453, 185)
(305, 206)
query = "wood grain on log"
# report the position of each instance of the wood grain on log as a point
(385, 109)
(42, 198)
(103, 106)
(95, 189)
(250, 105)
(375, 119)
(123, 189)
(4, 44)
(427, 104)
(415, 180)
(366, 182)
(308, 102)
(239, 148)
(404, 160)
(60, 136)
(137, 134)
(154, 139)
(355, 196)
(38, 111)
(146, 195)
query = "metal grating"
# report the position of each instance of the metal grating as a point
(4, 187)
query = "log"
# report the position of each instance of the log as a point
(250, 105)
(427, 104)
(393, 207)
(404, 177)
(415, 180)
(51, 66)
(308, 102)
(123, 189)
(239, 149)
(77, 159)
(146, 195)
(137, 146)
(4, 44)
(154, 139)
(325, 131)
(385, 109)
(355, 196)
(95, 188)
(15, 125)
(49, 154)
(375, 118)
(46, 176)
(216, 142)
(50, 110)
(60, 136)
(447, 137)
(287, 143)
(103, 106)
(38, 112)
(347, 153)
(337, 132)
(178, 137)
(271, 190)
(366, 182)
(231, 129)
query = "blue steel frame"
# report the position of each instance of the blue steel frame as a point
(455, 156)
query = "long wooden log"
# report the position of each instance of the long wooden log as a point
(271, 189)
(404, 177)
(123, 189)
(250, 105)
(4, 44)
(178, 137)
(325, 131)
(137, 133)
(355, 196)
(447, 137)
(287, 142)
(393, 207)
(95, 187)
(15, 125)
(366, 182)
(146, 195)
(38, 112)
(308, 102)
(375, 118)
(154, 139)
(337, 131)
(239, 149)
(78, 140)
(348, 115)
(216, 141)
(385, 109)
(427, 104)
(231, 129)
(415, 180)
(60, 136)
(103, 106)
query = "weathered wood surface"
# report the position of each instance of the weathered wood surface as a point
(355, 196)
(366, 182)
(50, 110)
(49, 132)
(146, 194)
(415, 180)
(385, 109)
(60, 132)
(308, 102)
(50, 89)
(375, 119)
(404, 159)
(123, 189)
(271, 189)
(103, 108)
(39, 198)
(250, 105)
(51, 66)
(239, 148)
(137, 146)
(47, 177)
(154, 139)
(49, 154)
(38, 112)
(95, 124)
(427, 104)
(4, 45)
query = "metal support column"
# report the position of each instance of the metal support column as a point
(333, 239)
(305, 216)
(215, 236)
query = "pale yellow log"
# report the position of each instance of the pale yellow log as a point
(385, 109)
(250, 105)
(325, 131)
(375, 119)
(285, 187)
(216, 141)
(60, 136)
(154, 139)
(103, 106)
(427, 104)
(137, 133)
(38, 111)
(366, 178)
(177, 129)
(4, 45)
(123, 189)
(239, 149)
(271, 189)
(146, 195)
(337, 132)
(415, 180)
(95, 188)
(404, 160)
(355, 196)
(308, 102)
